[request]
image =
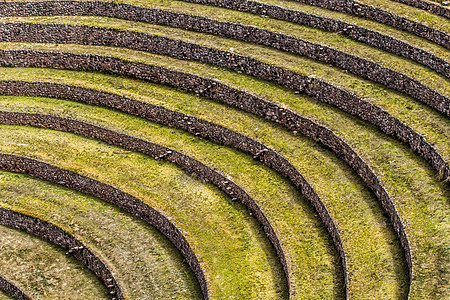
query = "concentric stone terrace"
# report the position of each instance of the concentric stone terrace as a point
(224, 149)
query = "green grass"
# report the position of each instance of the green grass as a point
(42, 270)
(301, 234)
(346, 187)
(236, 256)
(4, 296)
(144, 262)
(333, 40)
(368, 145)
(406, 109)
(375, 262)
(401, 35)
(287, 27)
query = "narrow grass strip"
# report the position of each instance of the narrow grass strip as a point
(160, 45)
(215, 133)
(409, 12)
(418, 195)
(59, 237)
(146, 263)
(110, 117)
(12, 290)
(200, 23)
(358, 33)
(238, 260)
(373, 182)
(207, 87)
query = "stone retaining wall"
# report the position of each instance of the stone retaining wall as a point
(381, 16)
(359, 33)
(59, 33)
(428, 6)
(111, 195)
(57, 236)
(188, 164)
(141, 14)
(209, 89)
(12, 290)
(213, 132)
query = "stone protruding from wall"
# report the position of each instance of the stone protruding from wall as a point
(381, 16)
(74, 34)
(59, 237)
(111, 195)
(12, 290)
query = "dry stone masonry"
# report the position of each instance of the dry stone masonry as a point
(12, 290)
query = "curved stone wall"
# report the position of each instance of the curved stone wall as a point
(381, 16)
(428, 6)
(155, 151)
(361, 34)
(111, 195)
(12, 290)
(222, 93)
(57, 236)
(213, 132)
(209, 88)
(59, 33)
(141, 14)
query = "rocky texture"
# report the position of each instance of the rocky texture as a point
(57, 236)
(12, 290)
(358, 33)
(59, 33)
(210, 88)
(381, 16)
(156, 16)
(111, 195)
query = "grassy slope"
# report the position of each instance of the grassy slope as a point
(200, 9)
(389, 175)
(346, 188)
(42, 270)
(402, 35)
(334, 40)
(237, 258)
(144, 262)
(302, 235)
(408, 110)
